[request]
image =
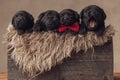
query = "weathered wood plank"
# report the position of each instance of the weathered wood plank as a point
(82, 66)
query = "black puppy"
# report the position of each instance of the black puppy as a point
(49, 20)
(69, 20)
(92, 19)
(23, 22)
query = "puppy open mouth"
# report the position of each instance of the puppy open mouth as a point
(92, 23)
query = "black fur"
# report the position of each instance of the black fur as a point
(49, 20)
(23, 22)
(68, 17)
(93, 13)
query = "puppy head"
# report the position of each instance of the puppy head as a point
(22, 21)
(48, 20)
(68, 17)
(92, 17)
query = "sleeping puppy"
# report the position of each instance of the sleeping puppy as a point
(69, 20)
(23, 22)
(92, 19)
(47, 21)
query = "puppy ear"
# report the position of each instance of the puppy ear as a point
(76, 16)
(103, 13)
(17, 21)
(31, 17)
(41, 16)
(101, 29)
(38, 26)
(82, 29)
(81, 14)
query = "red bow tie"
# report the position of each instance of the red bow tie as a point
(74, 27)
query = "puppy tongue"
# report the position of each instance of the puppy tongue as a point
(92, 24)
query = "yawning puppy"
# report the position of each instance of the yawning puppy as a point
(69, 21)
(49, 20)
(92, 19)
(23, 22)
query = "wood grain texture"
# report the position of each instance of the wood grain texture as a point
(81, 66)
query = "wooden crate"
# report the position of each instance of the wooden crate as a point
(81, 66)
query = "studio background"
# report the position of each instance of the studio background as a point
(9, 7)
